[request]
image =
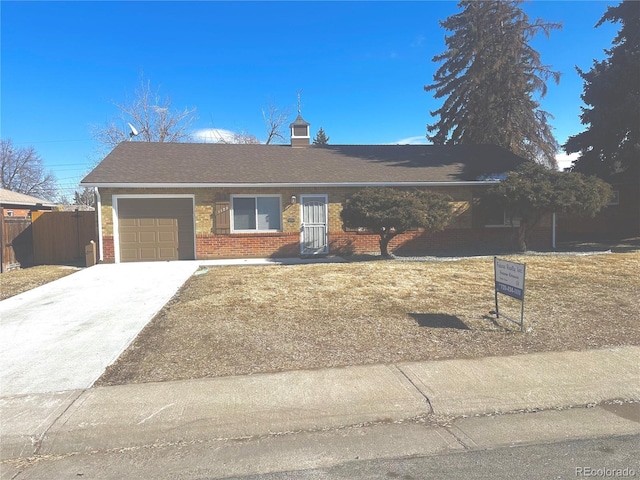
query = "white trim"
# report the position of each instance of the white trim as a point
(99, 210)
(289, 184)
(299, 136)
(114, 207)
(255, 195)
(326, 221)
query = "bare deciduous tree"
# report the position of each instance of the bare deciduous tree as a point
(274, 121)
(244, 138)
(23, 171)
(151, 115)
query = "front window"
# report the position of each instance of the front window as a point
(498, 218)
(256, 213)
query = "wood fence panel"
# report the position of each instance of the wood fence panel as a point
(60, 237)
(17, 243)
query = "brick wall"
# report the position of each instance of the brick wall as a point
(247, 245)
(620, 220)
(107, 249)
(460, 234)
(451, 241)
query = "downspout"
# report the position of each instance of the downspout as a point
(553, 231)
(99, 209)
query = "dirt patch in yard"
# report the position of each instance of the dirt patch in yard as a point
(19, 281)
(243, 320)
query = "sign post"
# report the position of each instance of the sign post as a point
(509, 280)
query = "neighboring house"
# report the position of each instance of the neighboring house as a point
(163, 201)
(19, 205)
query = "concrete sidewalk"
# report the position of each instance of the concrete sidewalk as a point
(129, 416)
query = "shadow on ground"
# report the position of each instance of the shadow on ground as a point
(599, 243)
(439, 320)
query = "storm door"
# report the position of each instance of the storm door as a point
(314, 238)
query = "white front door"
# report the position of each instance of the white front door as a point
(314, 236)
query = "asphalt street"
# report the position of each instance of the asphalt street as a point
(542, 444)
(612, 457)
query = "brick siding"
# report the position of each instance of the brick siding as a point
(618, 220)
(107, 249)
(462, 234)
(247, 245)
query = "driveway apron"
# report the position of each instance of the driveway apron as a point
(62, 336)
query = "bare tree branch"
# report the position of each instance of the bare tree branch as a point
(245, 138)
(275, 120)
(151, 115)
(22, 171)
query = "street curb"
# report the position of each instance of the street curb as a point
(127, 416)
(534, 381)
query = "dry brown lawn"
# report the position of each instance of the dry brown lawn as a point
(243, 320)
(19, 281)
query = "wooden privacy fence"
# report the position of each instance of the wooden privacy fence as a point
(60, 237)
(17, 242)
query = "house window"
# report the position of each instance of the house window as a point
(256, 213)
(9, 213)
(615, 198)
(498, 218)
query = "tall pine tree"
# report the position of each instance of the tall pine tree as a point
(611, 141)
(490, 78)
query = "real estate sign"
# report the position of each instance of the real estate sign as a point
(509, 278)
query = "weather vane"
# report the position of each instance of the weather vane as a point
(299, 104)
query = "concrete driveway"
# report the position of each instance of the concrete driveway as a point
(62, 336)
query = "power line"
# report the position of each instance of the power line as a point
(51, 141)
(71, 164)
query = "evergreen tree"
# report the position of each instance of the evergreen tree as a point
(320, 138)
(611, 141)
(86, 197)
(533, 191)
(490, 77)
(390, 212)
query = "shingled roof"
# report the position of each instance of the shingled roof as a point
(205, 164)
(9, 198)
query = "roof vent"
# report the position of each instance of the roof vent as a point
(300, 129)
(300, 132)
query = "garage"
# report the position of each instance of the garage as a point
(155, 229)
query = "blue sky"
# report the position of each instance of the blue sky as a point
(361, 67)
